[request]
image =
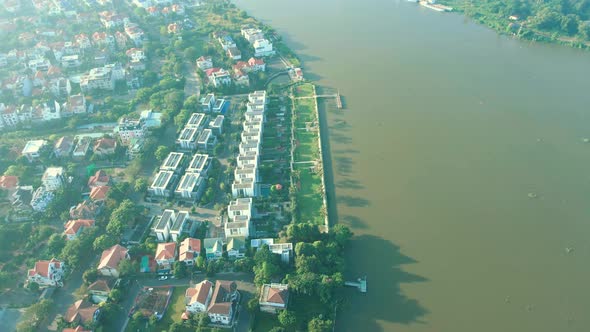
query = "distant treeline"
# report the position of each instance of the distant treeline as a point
(558, 20)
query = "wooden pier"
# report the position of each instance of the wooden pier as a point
(336, 96)
(360, 284)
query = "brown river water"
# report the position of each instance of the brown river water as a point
(459, 162)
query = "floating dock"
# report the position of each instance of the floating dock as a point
(338, 100)
(360, 284)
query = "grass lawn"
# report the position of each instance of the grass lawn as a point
(173, 312)
(305, 89)
(309, 196)
(309, 199)
(307, 147)
(175, 309)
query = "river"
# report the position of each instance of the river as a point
(459, 162)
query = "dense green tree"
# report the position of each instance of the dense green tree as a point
(116, 295)
(103, 242)
(318, 324)
(303, 232)
(192, 103)
(127, 268)
(55, 244)
(161, 152)
(33, 287)
(108, 312)
(203, 319)
(181, 118)
(287, 318)
(190, 53)
(140, 185)
(179, 270)
(90, 276)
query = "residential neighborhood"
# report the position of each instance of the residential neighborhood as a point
(147, 179)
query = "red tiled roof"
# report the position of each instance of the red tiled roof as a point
(212, 71)
(275, 295)
(81, 311)
(111, 257)
(219, 304)
(8, 181)
(254, 61)
(165, 251)
(101, 285)
(42, 268)
(189, 246)
(99, 177)
(77, 329)
(200, 292)
(99, 193)
(105, 143)
(73, 226)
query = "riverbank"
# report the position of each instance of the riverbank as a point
(541, 24)
(308, 177)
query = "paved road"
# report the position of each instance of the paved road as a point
(122, 318)
(192, 85)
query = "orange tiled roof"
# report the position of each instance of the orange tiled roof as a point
(111, 257)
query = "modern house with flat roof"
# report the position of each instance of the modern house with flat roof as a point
(220, 106)
(190, 187)
(163, 184)
(200, 163)
(207, 103)
(171, 224)
(197, 120)
(285, 250)
(246, 173)
(53, 178)
(216, 125)
(33, 148)
(82, 148)
(128, 130)
(206, 140)
(187, 139)
(239, 213)
(174, 162)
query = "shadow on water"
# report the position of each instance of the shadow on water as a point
(384, 300)
(328, 165)
(343, 165)
(352, 201)
(349, 184)
(354, 222)
(346, 151)
(339, 138)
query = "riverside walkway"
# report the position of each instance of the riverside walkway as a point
(335, 95)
